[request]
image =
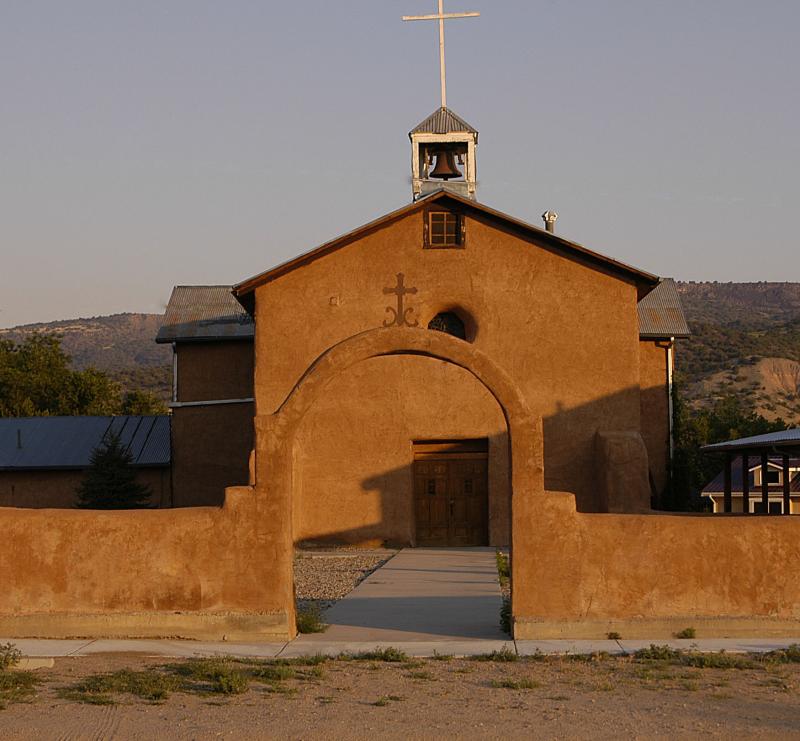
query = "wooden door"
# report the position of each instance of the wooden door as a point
(451, 496)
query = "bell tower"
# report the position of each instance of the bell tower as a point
(443, 155)
(443, 145)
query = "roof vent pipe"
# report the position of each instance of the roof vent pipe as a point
(550, 220)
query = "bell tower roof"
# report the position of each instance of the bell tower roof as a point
(443, 155)
(444, 121)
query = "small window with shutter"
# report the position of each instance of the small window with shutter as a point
(443, 230)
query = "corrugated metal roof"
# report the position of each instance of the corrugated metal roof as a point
(443, 121)
(784, 439)
(717, 485)
(661, 313)
(28, 443)
(202, 313)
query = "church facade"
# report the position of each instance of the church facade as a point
(410, 451)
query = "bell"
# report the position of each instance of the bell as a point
(445, 166)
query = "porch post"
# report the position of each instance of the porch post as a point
(746, 482)
(728, 506)
(786, 498)
(765, 481)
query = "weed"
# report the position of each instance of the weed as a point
(589, 658)
(505, 615)
(686, 633)
(326, 700)
(442, 657)
(719, 660)
(412, 664)
(382, 702)
(504, 654)
(389, 655)
(689, 685)
(274, 673)
(420, 675)
(221, 674)
(503, 568)
(656, 653)
(313, 660)
(515, 684)
(790, 655)
(16, 686)
(9, 656)
(309, 620)
(613, 636)
(98, 689)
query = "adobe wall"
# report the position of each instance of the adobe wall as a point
(43, 489)
(365, 494)
(648, 576)
(215, 370)
(210, 451)
(565, 332)
(655, 410)
(205, 573)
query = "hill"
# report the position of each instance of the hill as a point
(122, 345)
(745, 340)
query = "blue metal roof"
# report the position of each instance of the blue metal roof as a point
(30, 443)
(784, 439)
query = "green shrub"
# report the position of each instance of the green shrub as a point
(719, 660)
(657, 653)
(231, 683)
(99, 688)
(686, 633)
(9, 656)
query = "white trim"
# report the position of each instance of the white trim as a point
(209, 403)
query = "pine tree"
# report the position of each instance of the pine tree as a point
(110, 482)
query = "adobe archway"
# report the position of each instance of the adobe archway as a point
(275, 433)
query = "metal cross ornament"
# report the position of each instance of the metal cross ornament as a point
(399, 317)
(441, 16)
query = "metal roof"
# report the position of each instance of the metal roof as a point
(31, 443)
(661, 313)
(785, 439)
(203, 313)
(443, 121)
(717, 484)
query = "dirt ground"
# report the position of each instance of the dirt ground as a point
(603, 698)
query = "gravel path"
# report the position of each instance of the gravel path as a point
(321, 579)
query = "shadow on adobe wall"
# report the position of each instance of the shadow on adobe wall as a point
(569, 465)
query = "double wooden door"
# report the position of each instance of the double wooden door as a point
(451, 498)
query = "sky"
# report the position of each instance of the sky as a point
(150, 143)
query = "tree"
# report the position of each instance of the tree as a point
(728, 418)
(36, 380)
(142, 403)
(110, 482)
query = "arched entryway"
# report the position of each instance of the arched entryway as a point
(276, 433)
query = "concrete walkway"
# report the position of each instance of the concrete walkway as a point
(422, 594)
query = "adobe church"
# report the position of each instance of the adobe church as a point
(445, 375)
(409, 450)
